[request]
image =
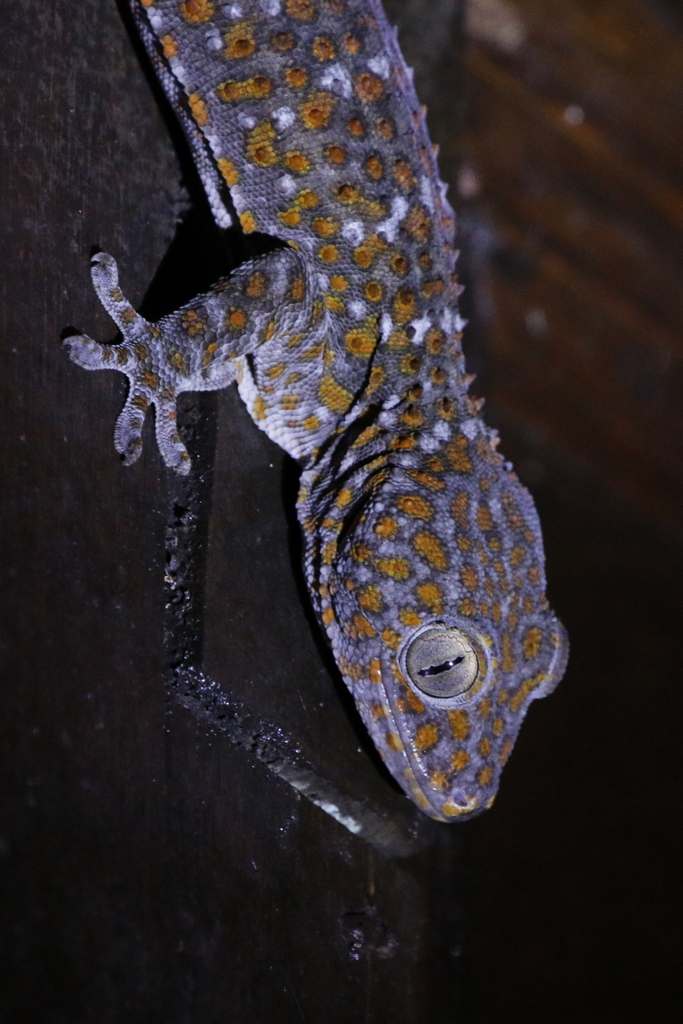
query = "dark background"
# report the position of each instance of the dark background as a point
(168, 747)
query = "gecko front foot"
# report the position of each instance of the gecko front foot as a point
(146, 358)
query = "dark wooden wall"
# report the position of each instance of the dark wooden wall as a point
(159, 861)
(571, 199)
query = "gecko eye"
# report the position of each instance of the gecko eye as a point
(442, 662)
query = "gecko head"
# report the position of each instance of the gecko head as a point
(440, 625)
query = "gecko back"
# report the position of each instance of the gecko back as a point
(423, 552)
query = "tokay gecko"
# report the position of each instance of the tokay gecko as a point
(423, 553)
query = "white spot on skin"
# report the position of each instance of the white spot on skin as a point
(213, 40)
(426, 193)
(386, 326)
(470, 429)
(156, 20)
(442, 430)
(324, 282)
(286, 185)
(389, 227)
(357, 310)
(178, 70)
(354, 232)
(420, 327)
(271, 6)
(380, 65)
(284, 118)
(459, 323)
(337, 79)
(233, 10)
(245, 121)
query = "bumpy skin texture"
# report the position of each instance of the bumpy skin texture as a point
(345, 345)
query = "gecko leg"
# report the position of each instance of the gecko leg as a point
(193, 349)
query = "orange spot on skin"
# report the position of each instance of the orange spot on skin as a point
(429, 546)
(497, 726)
(315, 113)
(396, 568)
(229, 171)
(328, 616)
(505, 752)
(363, 627)
(485, 746)
(362, 341)
(386, 527)
(459, 722)
(404, 306)
(339, 283)
(532, 642)
(485, 707)
(374, 167)
(426, 479)
(302, 10)
(333, 395)
(373, 291)
(239, 42)
(375, 671)
(198, 108)
(335, 154)
(467, 607)
(329, 253)
(391, 639)
(325, 226)
(416, 506)
(370, 598)
(456, 452)
(283, 41)
(377, 711)
(296, 78)
(369, 87)
(290, 217)
(485, 776)
(386, 128)
(323, 48)
(297, 162)
(426, 736)
(409, 617)
(469, 577)
(438, 780)
(236, 320)
(433, 339)
(405, 178)
(394, 741)
(355, 126)
(399, 264)
(430, 595)
(352, 43)
(413, 416)
(418, 224)
(248, 222)
(195, 11)
(170, 46)
(260, 146)
(459, 760)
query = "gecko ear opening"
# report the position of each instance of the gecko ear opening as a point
(443, 662)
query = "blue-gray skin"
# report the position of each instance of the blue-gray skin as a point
(423, 551)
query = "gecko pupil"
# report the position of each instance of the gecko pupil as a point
(442, 662)
(434, 670)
